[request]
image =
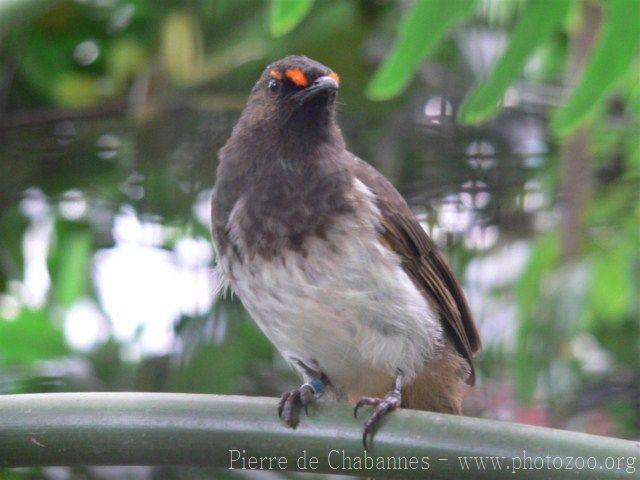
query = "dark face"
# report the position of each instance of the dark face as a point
(295, 93)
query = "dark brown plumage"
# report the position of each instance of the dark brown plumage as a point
(330, 261)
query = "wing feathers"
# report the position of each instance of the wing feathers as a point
(422, 260)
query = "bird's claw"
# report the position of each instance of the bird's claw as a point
(302, 396)
(382, 406)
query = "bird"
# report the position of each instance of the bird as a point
(330, 261)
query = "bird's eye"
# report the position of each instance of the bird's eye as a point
(274, 85)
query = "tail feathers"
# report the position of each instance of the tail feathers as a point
(440, 387)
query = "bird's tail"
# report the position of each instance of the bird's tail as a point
(441, 385)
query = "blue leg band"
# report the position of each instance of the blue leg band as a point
(317, 386)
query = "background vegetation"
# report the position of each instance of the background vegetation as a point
(510, 125)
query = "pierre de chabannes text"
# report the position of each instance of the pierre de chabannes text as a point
(339, 460)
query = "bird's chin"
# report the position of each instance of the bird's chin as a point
(316, 109)
(318, 103)
(310, 120)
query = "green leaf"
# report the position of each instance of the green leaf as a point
(286, 14)
(425, 25)
(71, 278)
(610, 60)
(29, 338)
(182, 47)
(538, 22)
(612, 288)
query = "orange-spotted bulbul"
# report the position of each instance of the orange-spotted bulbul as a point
(330, 261)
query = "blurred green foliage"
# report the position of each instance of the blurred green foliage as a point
(538, 22)
(614, 56)
(429, 20)
(425, 25)
(286, 14)
(32, 336)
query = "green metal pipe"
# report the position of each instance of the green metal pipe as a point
(222, 431)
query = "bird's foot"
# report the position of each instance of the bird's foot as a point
(382, 406)
(302, 397)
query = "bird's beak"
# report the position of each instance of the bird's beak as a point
(323, 84)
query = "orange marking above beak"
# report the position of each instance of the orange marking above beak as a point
(275, 74)
(297, 76)
(335, 76)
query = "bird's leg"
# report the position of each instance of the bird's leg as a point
(382, 406)
(303, 396)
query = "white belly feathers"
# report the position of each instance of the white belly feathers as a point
(347, 304)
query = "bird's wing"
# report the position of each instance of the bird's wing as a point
(422, 260)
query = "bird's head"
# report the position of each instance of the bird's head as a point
(294, 94)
